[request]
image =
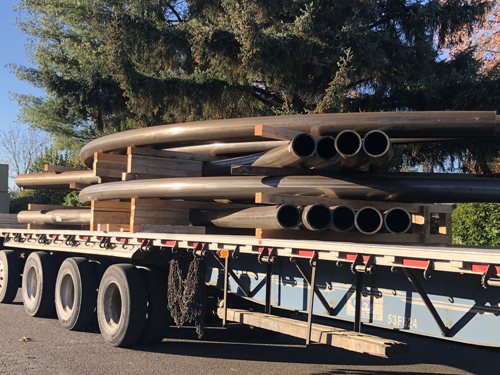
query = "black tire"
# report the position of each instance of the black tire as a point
(10, 276)
(121, 305)
(75, 294)
(38, 286)
(158, 316)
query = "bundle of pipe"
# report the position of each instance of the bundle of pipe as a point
(59, 217)
(406, 125)
(395, 187)
(358, 141)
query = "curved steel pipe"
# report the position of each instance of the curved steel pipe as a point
(35, 180)
(397, 220)
(394, 124)
(58, 217)
(326, 155)
(368, 220)
(285, 216)
(378, 147)
(395, 187)
(235, 149)
(349, 146)
(317, 217)
(342, 218)
(302, 146)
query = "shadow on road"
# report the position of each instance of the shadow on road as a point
(220, 343)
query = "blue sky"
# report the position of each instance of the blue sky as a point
(12, 43)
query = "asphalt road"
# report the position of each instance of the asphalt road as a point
(49, 349)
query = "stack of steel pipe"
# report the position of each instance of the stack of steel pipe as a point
(341, 153)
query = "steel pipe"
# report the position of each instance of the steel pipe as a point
(326, 155)
(302, 146)
(349, 146)
(317, 217)
(45, 180)
(368, 220)
(395, 187)
(397, 220)
(394, 124)
(233, 149)
(378, 147)
(58, 217)
(285, 216)
(342, 218)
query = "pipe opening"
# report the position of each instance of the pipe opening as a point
(289, 216)
(318, 217)
(368, 220)
(343, 218)
(397, 220)
(304, 145)
(348, 142)
(376, 143)
(326, 148)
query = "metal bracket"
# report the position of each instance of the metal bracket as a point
(312, 286)
(267, 256)
(146, 245)
(236, 252)
(201, 250)
(359, 266)
(429, 270)
(19, 238)
(71, 241)
(106, 243)
(487, 275)
(43, 240)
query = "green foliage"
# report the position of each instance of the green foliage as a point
(476, 224)
(109, 66)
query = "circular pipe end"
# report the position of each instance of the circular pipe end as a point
(368, 220)
(397, 220)
(317, 217)
(376, 143)
(289, 216)
(343, 218)
(326, 148)
(303, 145)
(348, 142)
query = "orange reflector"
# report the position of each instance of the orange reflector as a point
(223, 253)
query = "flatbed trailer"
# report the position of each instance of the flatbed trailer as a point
(434, 290)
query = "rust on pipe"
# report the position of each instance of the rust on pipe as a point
(342, 218)
(456, 124)
(397, 220)
(349, 146)
(368, 220)
(285, 216)
(56, 179)
(378, 147)
(317, 217)
(59, 217)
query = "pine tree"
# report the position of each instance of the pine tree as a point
(112, 65)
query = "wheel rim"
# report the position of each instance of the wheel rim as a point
(2, 276)
(112, 306)
(67, 295)
(31, 284)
